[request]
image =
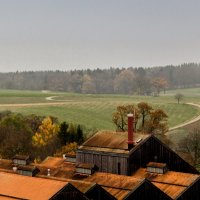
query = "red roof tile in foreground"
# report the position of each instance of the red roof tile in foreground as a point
(24, 187)
(172, 183)
(8, 198)
(117, 185)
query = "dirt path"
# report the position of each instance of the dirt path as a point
(51, 98)
(188, 122)
(32, 104)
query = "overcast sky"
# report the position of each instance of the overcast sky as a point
(69, 34)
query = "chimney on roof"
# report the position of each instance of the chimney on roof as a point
(130, 131)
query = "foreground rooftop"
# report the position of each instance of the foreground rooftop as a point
(42, 186)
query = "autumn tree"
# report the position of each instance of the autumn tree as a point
(190, 144)
(155, 123)
(178, 97)
(164, 84)
(45, 140)
(119, 117)
(34, 121)
(144, 110)
(15, 136)
(69, 149)
(35, 135)
(158, 84)
(47, 131)
(5, 113)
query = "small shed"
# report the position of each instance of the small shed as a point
(154, 167)
(27, 170)
(21, 160)
(70, 158)
(85, 168)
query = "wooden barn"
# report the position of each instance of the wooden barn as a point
(141, 156)
(125, 152)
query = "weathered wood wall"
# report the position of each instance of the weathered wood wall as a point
(152, 148)
(106, 162)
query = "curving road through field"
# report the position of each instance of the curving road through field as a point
(63, 102)
(188, 122)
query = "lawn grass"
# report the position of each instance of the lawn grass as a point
(23, 96)
(189, 95)
(92, 111)
(191, 92)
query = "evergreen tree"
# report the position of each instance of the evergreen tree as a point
(79, 135)
(62, 134)
(71, 132)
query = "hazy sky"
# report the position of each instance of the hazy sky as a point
(69, 34)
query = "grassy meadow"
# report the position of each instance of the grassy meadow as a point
(95, 111)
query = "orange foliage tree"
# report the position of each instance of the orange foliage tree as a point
(159, 84)
(47, 131)
(150, 120)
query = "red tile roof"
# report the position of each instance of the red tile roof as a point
(28, 187)
(109, 141)
(172, 183)
(156, 165)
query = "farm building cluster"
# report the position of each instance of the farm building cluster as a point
(109, 165)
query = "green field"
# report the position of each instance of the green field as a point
(95, 111)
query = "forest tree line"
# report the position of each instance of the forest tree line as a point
(140, 81)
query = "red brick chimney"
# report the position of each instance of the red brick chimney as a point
(130, 131)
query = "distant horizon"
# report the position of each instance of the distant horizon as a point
(101, 68)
